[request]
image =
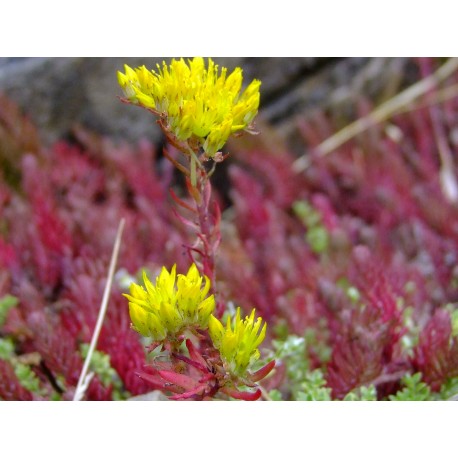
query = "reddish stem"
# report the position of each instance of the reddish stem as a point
(207, 230)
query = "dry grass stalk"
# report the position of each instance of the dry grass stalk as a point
(85, 378)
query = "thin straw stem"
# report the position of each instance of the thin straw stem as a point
(85, 379)
(381, 113)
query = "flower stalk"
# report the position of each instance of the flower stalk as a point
(198, 107)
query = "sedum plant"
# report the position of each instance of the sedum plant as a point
(199, 106)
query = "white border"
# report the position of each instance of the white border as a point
(228, 429)
(229, 28)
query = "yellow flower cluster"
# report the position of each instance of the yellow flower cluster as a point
(238, 342)
(194, 101)
(166, 309)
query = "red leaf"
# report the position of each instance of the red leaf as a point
(189, 394)
(193, 191)
(263, 372)
(206, 378)
(181, 380)
(194, 354)
(185, 221)
(157, 382)
(181, 202)
(243, 395)
(190, 361)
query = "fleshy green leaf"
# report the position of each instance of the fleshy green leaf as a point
(414, 389)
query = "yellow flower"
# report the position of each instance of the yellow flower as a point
(166, 309)
(194, 101)
(238, 342)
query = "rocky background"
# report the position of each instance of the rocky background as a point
(59, 93)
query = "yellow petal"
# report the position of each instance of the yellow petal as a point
(216, 330)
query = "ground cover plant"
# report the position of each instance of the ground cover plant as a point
(330, 276)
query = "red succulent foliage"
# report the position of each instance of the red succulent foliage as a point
(383, 192)
(436, 355)
(205, 376)
(366, 346)
(58, 233)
